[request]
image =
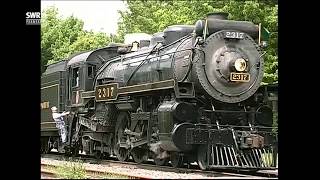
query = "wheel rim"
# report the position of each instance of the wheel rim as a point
(176, 160)
(202, 157)
(41, 149)
(46, 148)
(106, 155)
(73, 151)
(98, 155)
(139, 155)
(122, 154)
(122, 122)
(160, 162)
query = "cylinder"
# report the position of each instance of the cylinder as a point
(184, 112)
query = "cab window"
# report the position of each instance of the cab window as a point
(75, 77)
(91, 72)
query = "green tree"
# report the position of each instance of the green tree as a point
(49, 19)
(154, 16)
(89, 41)
(61, 38)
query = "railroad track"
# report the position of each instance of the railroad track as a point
(149, 166)
(45, 174)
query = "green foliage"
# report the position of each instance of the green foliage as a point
(89, 41)
(154, 16)
(62, 37)
(71, 170)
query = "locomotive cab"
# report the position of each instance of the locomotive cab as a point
(82, 70)
(77, 79)
(81, 78)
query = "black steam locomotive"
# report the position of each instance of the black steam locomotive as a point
(190, 94)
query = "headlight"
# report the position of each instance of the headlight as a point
(240, 65)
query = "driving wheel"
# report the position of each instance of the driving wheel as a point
(158, 161)
(202, 157)
(139, 155)
(122, 123)
(176, 159)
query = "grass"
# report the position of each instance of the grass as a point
(71, 170)
(74, 169)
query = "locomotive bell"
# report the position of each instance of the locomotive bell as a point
(135, 46)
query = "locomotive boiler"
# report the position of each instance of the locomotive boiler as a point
(191, 93)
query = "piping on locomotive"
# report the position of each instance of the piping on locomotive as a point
(191, 93)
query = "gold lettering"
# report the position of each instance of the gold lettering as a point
(111, 94)
(104, 92)
(99, 93)
(44, 105)
(108, 92)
